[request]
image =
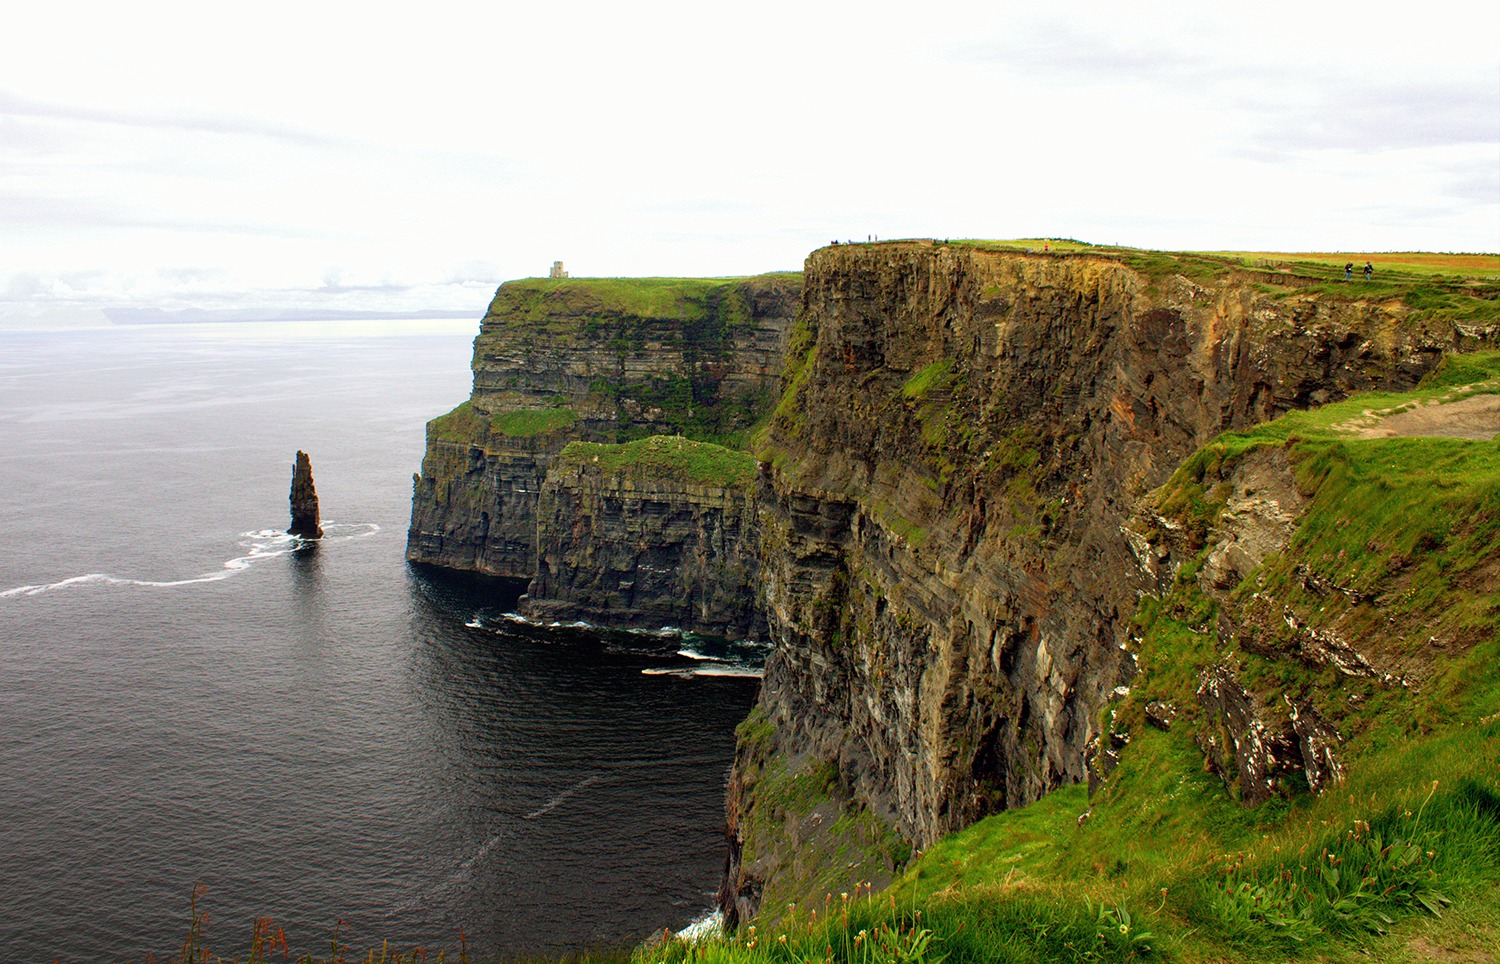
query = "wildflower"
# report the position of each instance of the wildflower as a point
(1124, 928)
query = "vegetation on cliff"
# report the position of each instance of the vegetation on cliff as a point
(663, 350)
(465, 426)
(665, 457)
(1393, 556)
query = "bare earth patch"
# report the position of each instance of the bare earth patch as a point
(1426, 950)
(1476, 417)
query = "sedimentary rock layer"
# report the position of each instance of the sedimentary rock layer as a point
(640, 548)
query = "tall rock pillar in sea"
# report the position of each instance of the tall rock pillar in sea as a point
(304, 498)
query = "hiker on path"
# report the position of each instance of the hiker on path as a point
(1368, 270)
(1349, 271)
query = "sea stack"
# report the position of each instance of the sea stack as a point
(305, 521)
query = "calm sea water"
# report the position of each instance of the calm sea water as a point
(317, 734)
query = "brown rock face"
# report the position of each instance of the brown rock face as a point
(633, 550)
(304, 498)
(607, 360)
(945, 573)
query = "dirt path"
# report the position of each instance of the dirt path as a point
(1476, 417)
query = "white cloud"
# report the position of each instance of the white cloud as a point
(174, 153)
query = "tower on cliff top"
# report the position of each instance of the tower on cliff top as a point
(557, 270)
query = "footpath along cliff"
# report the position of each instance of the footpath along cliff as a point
(941, 526)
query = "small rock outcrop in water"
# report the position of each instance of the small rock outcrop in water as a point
(304, 497)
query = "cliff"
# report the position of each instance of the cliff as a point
(610, 362)
(963, 436)
(662, 531)
(1016, 522)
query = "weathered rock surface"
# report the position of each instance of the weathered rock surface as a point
(946, 566)
(304, 499)
(634, 549)
(606, 360)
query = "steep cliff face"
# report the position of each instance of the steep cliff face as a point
(561, 361)
(645, 540)
(962, 435)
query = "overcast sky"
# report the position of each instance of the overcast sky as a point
(390, 157)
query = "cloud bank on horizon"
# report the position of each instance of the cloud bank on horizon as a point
(337, 156)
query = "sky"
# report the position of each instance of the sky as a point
(397, 157)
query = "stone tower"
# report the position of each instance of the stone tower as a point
(557, 270)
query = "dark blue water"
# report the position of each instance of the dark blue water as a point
(315, 734)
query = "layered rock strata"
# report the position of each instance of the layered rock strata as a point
(304, 500)
(962, 436)
(563, 361)
(642, 547)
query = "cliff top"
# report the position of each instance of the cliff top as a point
(1318, 265)
(1449, 283)
(538, 300)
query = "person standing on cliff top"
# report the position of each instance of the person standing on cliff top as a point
(1349, 271)
(1369, 270)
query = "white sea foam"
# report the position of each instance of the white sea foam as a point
(710, 925)
(474, 860)
(553, 804)
(747, 672)
(716, 669)
(690, 654)
(260, 544)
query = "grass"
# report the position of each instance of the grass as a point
(465, 426)
(462, 426)
(1412, 524)
(666, 457)
(1480, 266)
(530, 422)
(534, 301)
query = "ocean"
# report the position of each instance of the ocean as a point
(321, 735)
